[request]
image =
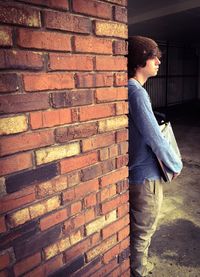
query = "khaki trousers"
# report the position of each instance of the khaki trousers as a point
(145, 205)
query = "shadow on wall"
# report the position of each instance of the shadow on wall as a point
(178, 242)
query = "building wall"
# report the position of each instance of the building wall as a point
(64, 194)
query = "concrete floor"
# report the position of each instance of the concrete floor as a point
(175, 247)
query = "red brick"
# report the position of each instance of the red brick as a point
(121, 108)
(90, 200)
(94, 8)
(122, 135)
(43, 40)
(76, 207)
(98, 141)
(70, 62)
(110, 254)
(5, 36)
(89, 215)
(98, 111)
(27, 264)
(122, 210)
(91, 172)
(106, 268)
(120, 14)
(53, 219)
(75, 251)
(124, 233)
(106, 193)
(111, 63)
(111, 94)
(120, 47)
(123, 147)
(26, 141)
(124, 244)
(122, 161)
(8, 82)
(119, 2)
(76, 131)
(67, 22)
(24, 102)
(2, 224)
(48, 81)
(115, 227)
(15, 163)
(61, 4)
(17, 199)
(113, 151)
(17, 59)
(92, 45)
(47, 268)
(49, 118)
(94, 80)
(71, 164)
(20, 15)
(4, 260)
(114, 177)
(122, 186)
(113, 203)
(121, 79)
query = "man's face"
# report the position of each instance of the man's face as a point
(151, 67)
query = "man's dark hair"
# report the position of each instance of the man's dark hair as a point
(140, 49)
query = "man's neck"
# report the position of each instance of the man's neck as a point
(140, 78)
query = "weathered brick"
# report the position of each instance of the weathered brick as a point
(48, 81)
(111, 29)
(90, 268)
(27, 264)
(91, 172)
(90, 200)
(13, 125)
(82, 161)
(28, 178)
(72, 98)
(110, 63)
(70, 268)
(120, 47)
(113, 151)
(94, 80)
(2, 225)
(61, 4)
(113, 123)
(92, 45)
(17, 59)
(26, 141)
(120, 14)
(115, 227)
(5, 36)
(122, 186)
(110, 94)
(67, 22)
(44, 207)
(110, 254)
(23, 102)
(101, 248)
(4, 260)
(121, 79)
(123, 147)
(49, 154)
(53, 219)
(122, 161)
(50, 118)
(20, 15)
(17, 199)
(123, 209)
(19, 217)
(97, 111)
(48, 268)
(75, 131)
(76, 207)
(114, 177)
(94, 8)
(124, 233)
(113, 203)
(107, 268)
(8, 83)
(103, 154)
(98, 141)
(33, 244)
(50, 187)
(106, 193)
(43, 40)
(70, 62)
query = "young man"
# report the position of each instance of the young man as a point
(145, 143)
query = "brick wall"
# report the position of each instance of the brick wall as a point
(63, 167)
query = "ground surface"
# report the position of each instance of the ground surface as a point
(175, 247)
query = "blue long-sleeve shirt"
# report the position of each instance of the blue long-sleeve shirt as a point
(146, 140)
